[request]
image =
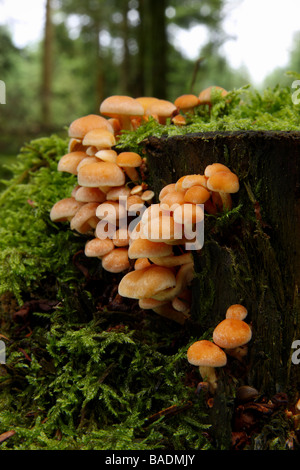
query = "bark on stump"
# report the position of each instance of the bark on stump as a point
(251, 257)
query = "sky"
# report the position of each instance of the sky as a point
(262, 31)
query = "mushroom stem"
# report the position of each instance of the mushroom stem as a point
(208, 374)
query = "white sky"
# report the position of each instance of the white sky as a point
(262, 30)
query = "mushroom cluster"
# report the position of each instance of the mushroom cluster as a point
(230, 337)
(113, 205)
(162, 241)
(109, 190)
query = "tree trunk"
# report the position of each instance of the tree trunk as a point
(250, 256)
(153, 44)
(47, 68)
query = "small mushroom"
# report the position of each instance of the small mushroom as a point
(232, 335)
(145, 283)
(206, 95)
(116, 261)
(101, 174)
(81, 126)
(99, 138)
(107, 155)
(237, 311)
(225, 183)
(129, 161)
(85, 218)
(124, 108)
(97, 248)
(143, 248)
(207, 356)
(65, 209)
(196, 195)
(162, 110)
(69, 162)
(84, 194)
(189, 181)
(187, 103)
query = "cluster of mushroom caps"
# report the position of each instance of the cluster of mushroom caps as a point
(104, 178)
(230, 337)
(164, 237)
(111, 195)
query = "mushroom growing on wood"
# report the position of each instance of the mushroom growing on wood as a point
(187, 103)
(207, 356)
(81, 126)
(224, 183)
(124, 108)
(206, 95)
(147, 282)
(233, 335)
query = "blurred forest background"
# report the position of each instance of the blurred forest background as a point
(95, 48)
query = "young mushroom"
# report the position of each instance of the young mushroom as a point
(187, 103)
(233, 335)
(124, 108)
(207, 356)
(81, 126)
(224, 183)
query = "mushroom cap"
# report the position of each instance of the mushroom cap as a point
(189, 181)
(206, 94)
(121, 237)
(206, 353)
(186, 101)
(223, 181)
(116, 192)
(116, 260)
(196, 195)
(116, 105)
(70, 161)
(165, 190)
(172, 199)
(215, 168)
(98, 247)
(146, 101)
(84, 194)
(163, 108)
(99, 138)
(129, 159)
(84, 124)
(236, 311)
(231, 333)
(101, 174)
(111, 211)
(171, 260)
(162, 228)
(107, 155)
(143, 248)
(179, 120)
(65, 209)
(184, 276)
(85, 218)
(148, 195)
(146, 282)
(188, 214)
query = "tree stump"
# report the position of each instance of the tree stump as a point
(251, 255)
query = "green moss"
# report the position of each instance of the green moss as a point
(242, 109)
